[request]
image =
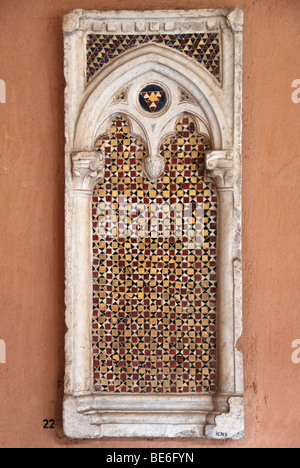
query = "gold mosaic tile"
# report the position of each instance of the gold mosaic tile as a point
(204, 48)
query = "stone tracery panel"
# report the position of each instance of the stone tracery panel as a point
(153, 299)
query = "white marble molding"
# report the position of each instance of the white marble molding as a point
(217, 110)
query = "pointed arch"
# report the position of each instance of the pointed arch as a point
(137, 62)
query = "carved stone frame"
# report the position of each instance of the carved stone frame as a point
(219, 111)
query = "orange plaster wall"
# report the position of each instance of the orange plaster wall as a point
(32, 222)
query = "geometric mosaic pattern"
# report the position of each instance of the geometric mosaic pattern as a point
(154, 276)
(202, 47)
(185, 97)
(120, 96)
(152, 98)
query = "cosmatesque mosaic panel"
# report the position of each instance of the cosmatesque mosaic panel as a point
(202, 47)
(154, 265)
(152, 98)
(153, 157)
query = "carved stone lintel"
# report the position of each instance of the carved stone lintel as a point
(179, 20)
(219, 165)
(87, 168)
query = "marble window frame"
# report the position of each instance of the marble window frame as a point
(87, 111)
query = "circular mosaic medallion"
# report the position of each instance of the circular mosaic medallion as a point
(153, 98)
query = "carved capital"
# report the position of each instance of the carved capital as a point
(219, 165)
(87, 167)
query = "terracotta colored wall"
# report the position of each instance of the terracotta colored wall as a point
(32, 221)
